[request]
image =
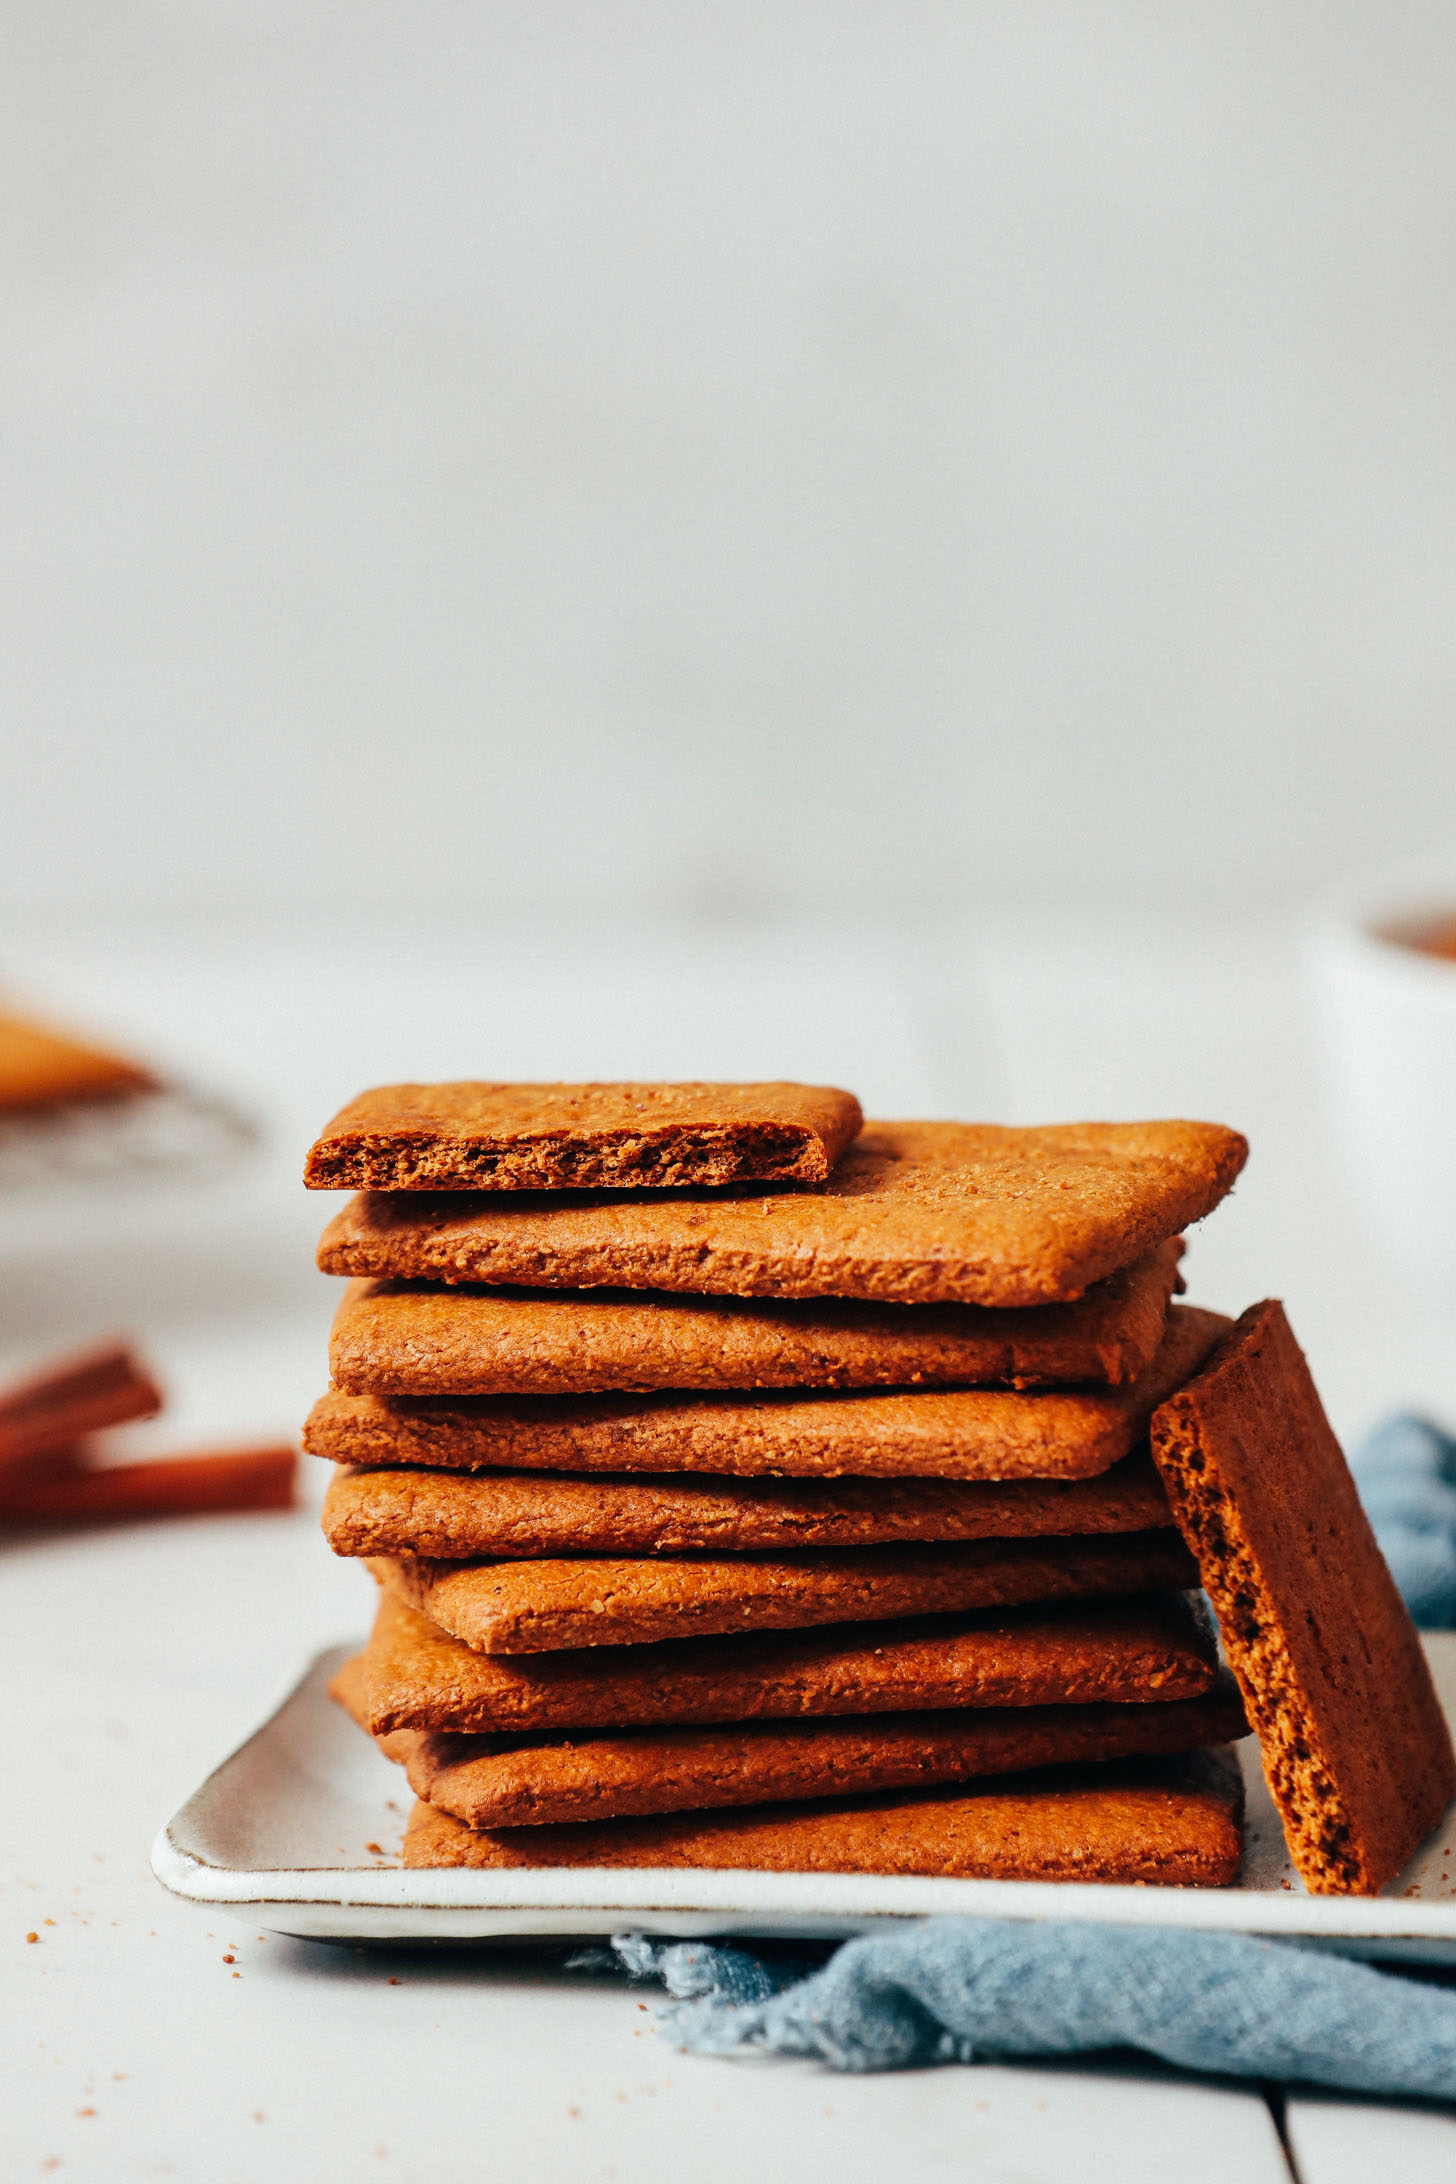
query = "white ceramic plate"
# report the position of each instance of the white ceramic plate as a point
(300, 1825)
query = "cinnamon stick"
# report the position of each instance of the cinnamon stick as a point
(43, 1414)
(175, 1486)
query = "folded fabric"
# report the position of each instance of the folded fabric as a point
(978, 1990)
(1406, 1473)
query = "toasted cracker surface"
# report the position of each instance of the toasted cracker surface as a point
(349, 1688)
(1155, 1646)
(394, 1339)
(1172, 1822)
(545, 1606)
(955, 1433)
(914, 1213)
(1355, 1746)
(512, 1137)
(456, 1515)
(500, 1782)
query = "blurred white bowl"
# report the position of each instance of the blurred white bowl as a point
(1387, 1013)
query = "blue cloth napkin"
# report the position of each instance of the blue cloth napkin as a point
(962, 1990)
(1406, 1473)
(978, 1990)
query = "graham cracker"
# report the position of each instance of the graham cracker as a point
(914, 1213)
(1169, 1823)
(500, 1782)
(392, 1339)
(550, 1605)
(514, 1137)
(1157, 1646)
(452, 1516)
(349, 1687)
(1355, 1746)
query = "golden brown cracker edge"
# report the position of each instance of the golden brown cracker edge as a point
(1173, 1823)
(1356, 1748)
(913, 1213)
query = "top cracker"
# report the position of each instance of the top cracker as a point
(915, 1213)
(548, 1137)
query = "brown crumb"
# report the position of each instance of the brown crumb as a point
(85, 2111)
(230, 1960)
(51, 1922)
(32, 1937)
(392, 1982)
(374, 1850)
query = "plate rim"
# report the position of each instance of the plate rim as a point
(606, 1897)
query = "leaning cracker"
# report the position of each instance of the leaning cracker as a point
(515, 1137)
(392, 1339)
(914, 1213)
(455, 1516)
(498, 1782)
(1355, 1745)
(548, 1606)
(1158, 1646)
(1173, 1823)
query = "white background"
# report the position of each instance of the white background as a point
(626, 453)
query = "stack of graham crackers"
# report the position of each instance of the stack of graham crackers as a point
(751, 1487)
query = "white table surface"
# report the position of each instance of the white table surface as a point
(139, 1655)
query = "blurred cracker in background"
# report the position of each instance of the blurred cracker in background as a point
(73, 1111)
(43, 1067)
